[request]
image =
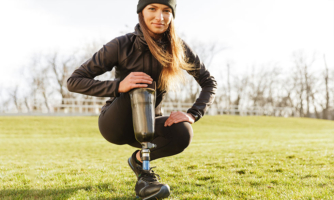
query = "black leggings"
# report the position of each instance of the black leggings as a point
(115, 123)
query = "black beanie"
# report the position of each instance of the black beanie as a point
(143, 3)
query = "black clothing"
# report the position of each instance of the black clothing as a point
(130, 53)
(116, 126)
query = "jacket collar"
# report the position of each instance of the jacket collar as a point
(141, 42)
(140, 39)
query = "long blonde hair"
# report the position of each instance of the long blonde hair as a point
(173, 59)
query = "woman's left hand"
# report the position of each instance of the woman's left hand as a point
(176, 117)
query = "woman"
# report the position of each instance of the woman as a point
(153, 53)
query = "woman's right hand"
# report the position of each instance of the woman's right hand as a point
(134, 80)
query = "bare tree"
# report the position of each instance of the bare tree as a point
(14, 96)
(26, 103)
(44, 87)
(325, 106)
(304, 81)
(331, 111)
(228, 67)
(2, 101)
(261, 86)
(287, 87)
(240, 87)
(61, 69)
(5, 105)
(40, 86)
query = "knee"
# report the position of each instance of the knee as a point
(183, 134)
(112, 137)
(113, 134)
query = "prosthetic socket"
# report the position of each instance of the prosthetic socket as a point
(143, 117)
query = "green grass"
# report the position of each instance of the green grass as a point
(230, 157)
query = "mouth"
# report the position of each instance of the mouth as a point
(158, 24)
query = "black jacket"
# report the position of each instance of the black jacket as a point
(130, 53)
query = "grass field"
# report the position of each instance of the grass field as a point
(230, 157)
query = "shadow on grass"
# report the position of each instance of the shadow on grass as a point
(88, 191)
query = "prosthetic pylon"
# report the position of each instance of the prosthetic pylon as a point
(143, 116)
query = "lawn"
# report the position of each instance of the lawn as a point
(230, 157)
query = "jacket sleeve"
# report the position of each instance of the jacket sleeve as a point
(205, 80)
(82, 79)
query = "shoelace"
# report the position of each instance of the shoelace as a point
(149, 176)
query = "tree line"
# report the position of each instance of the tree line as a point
(306, 88)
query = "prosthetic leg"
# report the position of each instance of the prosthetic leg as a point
(143, 116)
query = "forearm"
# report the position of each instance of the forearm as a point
(93, 87)
(205, 80)
(203, 102)
(82, 79)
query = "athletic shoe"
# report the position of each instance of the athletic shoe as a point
(148, 187)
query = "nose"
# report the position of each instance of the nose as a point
(159, 16)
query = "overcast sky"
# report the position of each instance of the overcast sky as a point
(255, 32)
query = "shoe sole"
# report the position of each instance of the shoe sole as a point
(129, 162)
(164, 192)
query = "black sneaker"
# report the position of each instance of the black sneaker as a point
(148, 186)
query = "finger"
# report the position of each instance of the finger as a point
(177, 120)
(142, 80)
(171, 117)
(138, 86)
(181, 120)
(173, 113)
(134, 81)
(168, 121)
(174, 122)
(141, 74)
(171, 121)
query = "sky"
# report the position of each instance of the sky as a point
(253, 32)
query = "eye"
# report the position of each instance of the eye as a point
(167, 11)
(151, 8)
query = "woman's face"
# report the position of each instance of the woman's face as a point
(157, 17)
